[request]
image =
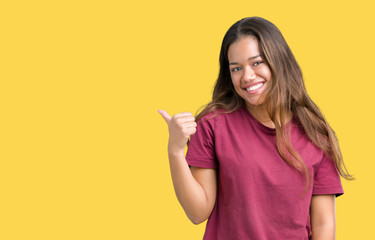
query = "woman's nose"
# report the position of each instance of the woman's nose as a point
(248, 74)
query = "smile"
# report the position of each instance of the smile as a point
(255, 87)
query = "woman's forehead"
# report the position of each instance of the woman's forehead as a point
(245, 48)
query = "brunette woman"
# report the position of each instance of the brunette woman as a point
(262, 162)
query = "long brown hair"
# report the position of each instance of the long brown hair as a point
(285, 94)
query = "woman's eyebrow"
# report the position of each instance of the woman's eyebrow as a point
(250, 58)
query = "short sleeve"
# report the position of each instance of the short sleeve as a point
(327, 179)
(201, 149)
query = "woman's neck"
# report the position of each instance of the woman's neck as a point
(261, 114)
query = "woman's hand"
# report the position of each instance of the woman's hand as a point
(181, 126)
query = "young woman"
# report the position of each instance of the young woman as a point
(262, 161)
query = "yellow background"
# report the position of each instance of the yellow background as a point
(83, 149)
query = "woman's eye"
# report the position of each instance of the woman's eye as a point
(257, 63)
(236, 69)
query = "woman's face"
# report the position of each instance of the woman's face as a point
(250, 74)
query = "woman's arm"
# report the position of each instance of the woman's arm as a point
(323, 217)
(195, 188)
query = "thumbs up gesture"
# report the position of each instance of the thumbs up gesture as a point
(181, 126)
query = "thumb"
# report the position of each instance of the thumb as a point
(165, 115)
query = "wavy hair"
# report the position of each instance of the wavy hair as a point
(286, 94)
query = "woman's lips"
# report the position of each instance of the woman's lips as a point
(254, 87)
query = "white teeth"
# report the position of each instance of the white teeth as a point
(254, 87)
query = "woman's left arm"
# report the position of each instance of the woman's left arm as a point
(323, 217)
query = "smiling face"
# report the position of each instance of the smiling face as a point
(250, 74)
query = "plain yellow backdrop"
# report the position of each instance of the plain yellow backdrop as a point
(83, 149)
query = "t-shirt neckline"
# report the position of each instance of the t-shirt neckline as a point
(261, 125)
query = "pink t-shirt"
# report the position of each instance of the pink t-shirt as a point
(260, 196)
